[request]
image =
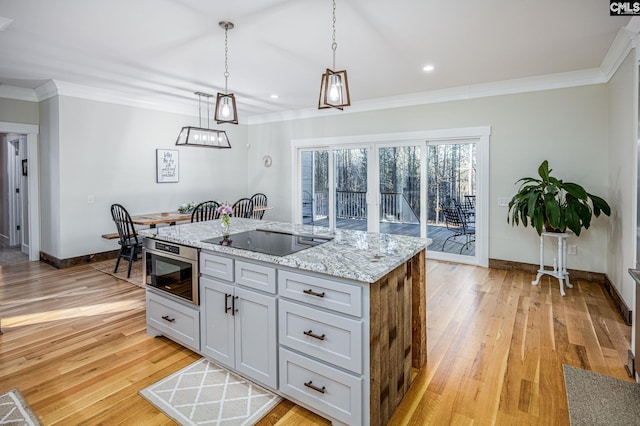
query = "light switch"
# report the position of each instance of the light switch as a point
(90, 199)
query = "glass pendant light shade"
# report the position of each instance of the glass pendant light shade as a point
(334, 90)
(226, 111)
(198, 136)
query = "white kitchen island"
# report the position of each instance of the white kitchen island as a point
(335, 328)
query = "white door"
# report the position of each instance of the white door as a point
(218, 324)
(255, 333)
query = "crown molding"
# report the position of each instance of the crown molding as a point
(507, 87)
(620, 48)
(17, 93)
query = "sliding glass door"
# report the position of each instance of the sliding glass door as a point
(431, 188)
(451, 197)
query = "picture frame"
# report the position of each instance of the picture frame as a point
(167, 165)
(24, 168)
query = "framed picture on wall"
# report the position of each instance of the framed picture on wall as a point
(167, 165)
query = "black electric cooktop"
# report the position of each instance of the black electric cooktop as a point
(269, 242)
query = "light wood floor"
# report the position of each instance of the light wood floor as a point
(74, 343)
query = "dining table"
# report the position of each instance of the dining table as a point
(153, 219)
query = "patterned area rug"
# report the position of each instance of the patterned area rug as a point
(596, 400)
(203, 393)
(14, 410)
(136, 270)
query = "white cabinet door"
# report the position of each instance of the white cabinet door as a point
(256, 340)
(217, 321)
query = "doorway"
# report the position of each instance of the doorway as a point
(20, 227)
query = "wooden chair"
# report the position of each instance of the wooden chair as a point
(130, 246)
(259, 200)
(243, 208)
(458, 226)
(207, 210)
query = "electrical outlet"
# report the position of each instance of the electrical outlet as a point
(90, 199)
(503, 201)
(572, 249)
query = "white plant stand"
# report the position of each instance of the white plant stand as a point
(559, 270)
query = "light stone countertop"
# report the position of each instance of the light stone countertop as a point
(356, 255)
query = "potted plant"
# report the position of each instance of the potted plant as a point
(554, 205)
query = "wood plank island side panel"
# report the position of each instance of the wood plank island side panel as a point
(418, 285)
(392, 327)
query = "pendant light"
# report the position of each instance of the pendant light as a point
(226, 111)
(334, 87)
(200, 136)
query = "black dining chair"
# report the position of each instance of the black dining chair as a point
(207, 210)
(458, 226)
(243, 208)
(259, 200)
(130, 246)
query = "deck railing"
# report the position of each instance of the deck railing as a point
(394, 206)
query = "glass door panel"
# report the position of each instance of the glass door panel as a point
(315, 188)
(451, 190)
(400, 190)
(350, 175)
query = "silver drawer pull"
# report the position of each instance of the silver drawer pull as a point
(315, 388)
(313, 293)
(315, 336)
(166, 318)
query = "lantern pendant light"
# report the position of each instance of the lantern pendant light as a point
(226, 111)
(334, 86)
(201, 136)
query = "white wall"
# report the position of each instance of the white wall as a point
(568, 127)
(49, 177)
(109, 151)
(623, 113)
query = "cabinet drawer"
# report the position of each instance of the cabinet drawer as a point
(324, 335)
(216, 266)
(335, 295)
(256, 276)
(174, 320)
(330, 391)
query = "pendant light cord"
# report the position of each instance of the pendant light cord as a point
(226, 59)
(334, 45)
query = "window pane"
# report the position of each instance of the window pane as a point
(315, 188)
(400, 190)
(351, 188)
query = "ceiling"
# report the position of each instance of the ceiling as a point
(169, 49)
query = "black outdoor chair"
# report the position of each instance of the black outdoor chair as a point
(458, 226)
(259, 200)
(243, 208)
(130, 246)
(467, 209)
(207, 210)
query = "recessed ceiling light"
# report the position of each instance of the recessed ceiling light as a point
(4, 23)
(428, 68)
(274, 96)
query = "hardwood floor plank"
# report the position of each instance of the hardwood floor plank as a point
(75, 345)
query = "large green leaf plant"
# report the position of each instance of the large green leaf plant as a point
(553, 205)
